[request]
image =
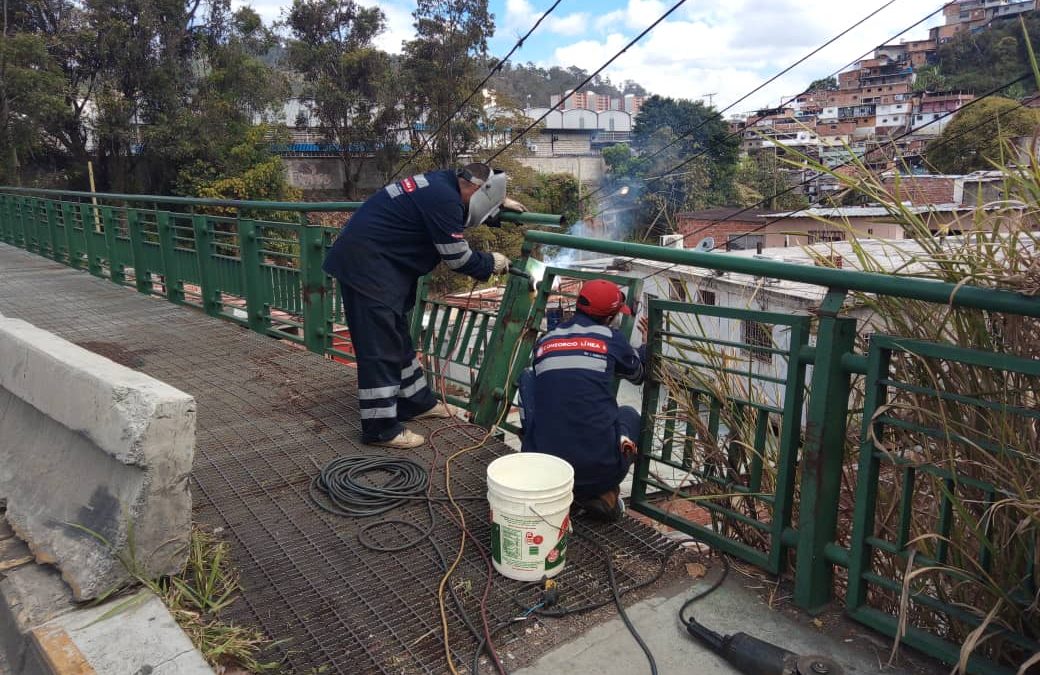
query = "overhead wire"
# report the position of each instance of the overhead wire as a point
(853, 160)
(588, 79)
(491, 73)
(917, 23)
(889, 143)
(716, 115)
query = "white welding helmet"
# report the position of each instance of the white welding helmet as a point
(488, 198)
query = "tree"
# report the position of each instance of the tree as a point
(824, 84)
(441, 68)
(30, 96)
(669, 133)
(762, 175)
(976, 138)
(348, 82)
(930, 78)
(984, 60)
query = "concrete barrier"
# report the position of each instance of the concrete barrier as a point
(87, 444)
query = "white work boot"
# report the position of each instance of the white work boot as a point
(406, 440)
(441, 411)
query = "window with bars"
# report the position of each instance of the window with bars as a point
(758, 337)
(745, 242)
(706, 297)
(677, 289)
(818, 236)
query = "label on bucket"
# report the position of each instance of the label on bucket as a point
(528, 544)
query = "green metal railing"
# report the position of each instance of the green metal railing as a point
(747, 417)
(255, 263)
(743, 449)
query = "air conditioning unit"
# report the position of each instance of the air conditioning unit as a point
(672, 240)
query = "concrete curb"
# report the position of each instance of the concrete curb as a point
(108, 450)
(43, 632)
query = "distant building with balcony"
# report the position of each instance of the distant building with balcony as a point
(971, 16)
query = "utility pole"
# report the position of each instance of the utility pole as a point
(710, 97)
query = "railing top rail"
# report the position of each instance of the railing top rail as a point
(302, 207)
(911, 288)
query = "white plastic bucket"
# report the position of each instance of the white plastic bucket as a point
(530, 498)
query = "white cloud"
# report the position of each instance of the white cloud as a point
(730, 48)
(399, 23)
(521, 15)
(398, 15)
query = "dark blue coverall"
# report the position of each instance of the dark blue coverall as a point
(568, 401)
(398, 235)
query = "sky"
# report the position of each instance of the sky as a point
(725, 48)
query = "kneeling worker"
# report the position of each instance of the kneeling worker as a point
(399, 234)
(568, 403)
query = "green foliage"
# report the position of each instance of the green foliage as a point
(983, 60)
(975, 139)
(350, 84)
(668, 132)
(30, 100)
(532, 86)
(930, 78)
(824, 84)
(441, 67)
(762, 174)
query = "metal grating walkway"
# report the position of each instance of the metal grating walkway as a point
(269, 414)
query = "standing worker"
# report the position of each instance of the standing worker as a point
(398, 235)
(568, 404)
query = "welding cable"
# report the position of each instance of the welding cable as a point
(480, 87)
(715, 585)
(588, 79)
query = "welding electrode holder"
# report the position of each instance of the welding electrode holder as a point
(757, 657)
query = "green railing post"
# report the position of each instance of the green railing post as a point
(314, 286)
(32, 236)
(212, 300)
(168, 254)
(494, 385)
(822, 453)
(651, 399)
(68, 220)
(52, 227)
(257, 303)
(116, 267)
(86, 215)
(5, 218)
(142, 278)
(415, 321)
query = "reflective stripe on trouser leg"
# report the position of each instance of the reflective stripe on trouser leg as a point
(379, 350)
(415, 397)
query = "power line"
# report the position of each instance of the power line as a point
(718, 114)
(479, 87)
(890, 142)
(588, 79)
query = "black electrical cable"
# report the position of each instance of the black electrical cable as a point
(715, 585)
(616, 593)
(338, 489)
(498, 66)
(588, 79)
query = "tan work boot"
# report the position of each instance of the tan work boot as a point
(441, 411)
(406, 440)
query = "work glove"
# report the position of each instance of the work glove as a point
(513, 205)
(501, 263)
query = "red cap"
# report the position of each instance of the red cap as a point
(601, 298)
